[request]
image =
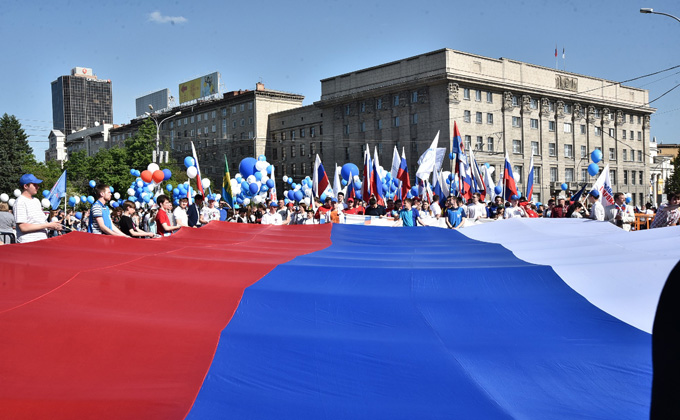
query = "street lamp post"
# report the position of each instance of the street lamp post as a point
(651, 11)
(157, 158)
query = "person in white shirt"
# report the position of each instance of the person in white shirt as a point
(620, 214)
(211, 212)
(435, 207)
(476, 210)
(180, 212)
(515, 210)
(596, 207)
(31, 222)
(272, 217)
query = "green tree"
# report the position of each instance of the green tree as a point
(16, 155)
(77, 172)
(139, 148)
(49, 172)
(673, 183)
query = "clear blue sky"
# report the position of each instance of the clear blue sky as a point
(144, 46)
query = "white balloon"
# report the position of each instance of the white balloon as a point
(264, 179)
(17, 193)
(251, 179)
(192, 172)
(116, 195)
(137, 204)
(4, 197)
(46, 203)
(153, 167)
(130, 191)
(217, 197)
(140, 184)
(206, 183)
(261, 165)
(11, 202)
(297, 187)
(285, 178)
(306, 200)
(246, 201)
(77, 199)
(257, 199)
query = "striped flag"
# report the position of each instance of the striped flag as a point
(198, 170)
(226, 185)
(321, 181)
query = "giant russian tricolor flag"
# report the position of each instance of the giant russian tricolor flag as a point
(334, 322)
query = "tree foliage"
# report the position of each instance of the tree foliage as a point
(673, 182)
(16, 156)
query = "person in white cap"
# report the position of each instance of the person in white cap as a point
(31, 221)
(272, 217)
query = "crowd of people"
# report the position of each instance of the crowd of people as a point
(30, 223)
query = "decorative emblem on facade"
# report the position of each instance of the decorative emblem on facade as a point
(619, 117)
(545, 106)
(507, 100)
(646, 123)
(591, 113)
(453, 93)
(578, 111)
(606, 114)
(526, 104)
(566, 83)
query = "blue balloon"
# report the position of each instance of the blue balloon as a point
(166, 174)
(298, 195)
(92, 183)
(344, 182)
(83, 198)
(450, 156)
(132, 172)
(175, 201)
(628, 200)
(253, 188)
(264, 188)
(72, 201)
(414, 191)
(596, 155)
(189, 161)
(564, 186)
(270, 183)
(290, 181)
(291, 195)
(262, 158)
(239, 200)
(247, 167)
(347, 169)
(79, 215)
(46, 193)
(169, 187)
(133, 199)
(593, 169)
(487, 165)
(498, 189)
(111, 189)
(90, 199)
(358, 194)
(270, 168)
(244, 185)
(114, 204)
(258, 176)
(322, 197)
(175, 191)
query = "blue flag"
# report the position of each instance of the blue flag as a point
(58, 191)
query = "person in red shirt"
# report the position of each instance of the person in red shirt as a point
(560, 209)
(163, 224)
(351, 209)
(327, 206)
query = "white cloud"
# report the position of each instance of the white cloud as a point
(159, 18)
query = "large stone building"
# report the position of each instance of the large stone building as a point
(501, 107)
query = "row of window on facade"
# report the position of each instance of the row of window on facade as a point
(630, 177)
(294, 133)
(533, 104)
(396, 122)
(379, 104)
(552, 125)
(294, 149)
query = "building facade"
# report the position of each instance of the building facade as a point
(80, 100)
(501, 107)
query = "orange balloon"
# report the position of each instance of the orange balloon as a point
(146, 176)
(158, 176)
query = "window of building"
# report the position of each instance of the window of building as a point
(283, 152)
(623, 134)
(567, 127)
(224, 127)
(242, 107)
(567, 109)
(312, 131)
(584, 174)
(378, 103)
(283, 135)
(179, 122)
(515, 100)
(569, 150)
(553, 174)
(250, 106)
(612, 133)
(395, 100)
(489, 144)
(293, 169)
(214, 128)
(631, 119)
(302, 133)
(569, 175)
(347, 154)
(362, 126)
(583, 129)
(292, 135)
(362, 107)
(517, 171)
(612, 176)
(347, 109)
(292, 151)
(640, 156)
(275, 153)
(552, 149)
(625, 177)
(489, 97)
(534, 148)
(379, 123)
(625, 155)
(551, 107)
(414, 97)
(395, 121)
(478, 95)
(642, 174)
(199, 117)
(537, 175)
(414, 119)
(466, 93)
(243, 122)
(302, 149)
(516, 122)
(533, 103)
(303, 169)
(517, 146)
(598, 131)
(632, 135)
(639, 135)
(466, 116)
(534, 123)
(468, 142)
(551, 126)
(480, 143)
(312, 149)
(489, 118)
(478, 117)
(224, 112)
(596, 113)
(612, 153)
(346, 129)
(250, 120)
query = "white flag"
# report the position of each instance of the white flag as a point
(428, 160)
(396, 162)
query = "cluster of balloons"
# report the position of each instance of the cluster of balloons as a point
(594, 168)
(183, 190)
(6, 199)
(253, 181)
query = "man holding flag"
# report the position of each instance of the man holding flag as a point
(509, 186)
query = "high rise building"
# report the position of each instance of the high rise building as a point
(80, 100)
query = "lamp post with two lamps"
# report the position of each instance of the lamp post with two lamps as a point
(157, 158)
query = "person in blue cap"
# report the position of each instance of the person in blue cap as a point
(31, 221)
(596, 207)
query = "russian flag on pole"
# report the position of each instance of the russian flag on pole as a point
(530, 179)
(402, 175)
(321, 181)
(376, 183)
(509, 186)
(198, 171)
(477, 176)
(366, 189)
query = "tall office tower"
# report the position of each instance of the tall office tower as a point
(80, 100)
